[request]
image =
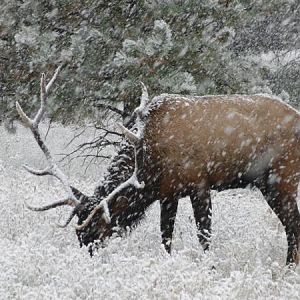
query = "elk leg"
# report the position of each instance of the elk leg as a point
(286, 210)
(201, 203)
(281, 197)
(168, 210)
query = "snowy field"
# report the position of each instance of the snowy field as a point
(40, 261)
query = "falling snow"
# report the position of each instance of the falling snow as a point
(41, 261)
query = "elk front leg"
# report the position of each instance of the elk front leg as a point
(168, 210)
(201, 204)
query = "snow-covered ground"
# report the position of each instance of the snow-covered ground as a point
(40, 261)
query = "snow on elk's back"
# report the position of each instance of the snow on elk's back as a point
(188, 99)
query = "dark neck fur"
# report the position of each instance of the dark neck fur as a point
(119, 170)
(135, 212)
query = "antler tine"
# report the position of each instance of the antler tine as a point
(43, 97)
(27, 122)
(88, 220)
(54, 205)
(50, 206)
(52, 168)
(144, 101)
(71, 216)
(145, 95)
(51, 81)
(37, 172)
(132, 137)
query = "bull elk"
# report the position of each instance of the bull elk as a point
(185, 146)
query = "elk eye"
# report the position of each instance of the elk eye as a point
(122, 203)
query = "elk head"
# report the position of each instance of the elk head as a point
(105, 217)
(94, 213)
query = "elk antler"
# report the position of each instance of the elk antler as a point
(135, 139)
(140, 113)
(52, 168)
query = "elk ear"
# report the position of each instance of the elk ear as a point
(122, 203)
(79, 196)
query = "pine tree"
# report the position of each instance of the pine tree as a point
(174, 46)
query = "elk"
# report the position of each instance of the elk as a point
(185, 146)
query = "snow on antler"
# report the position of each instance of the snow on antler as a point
(140, 112)
(52, 168)
(132, 137)
(135, 139)
(141, 109)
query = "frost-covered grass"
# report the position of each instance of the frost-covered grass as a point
(40, 261)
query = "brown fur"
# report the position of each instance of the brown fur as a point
(224, 142)
(194, 144)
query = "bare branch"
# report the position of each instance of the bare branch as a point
(75, 137)
(49, 127)
(110, 107)
(92, 150)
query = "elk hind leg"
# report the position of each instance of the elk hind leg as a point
(281, 197)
